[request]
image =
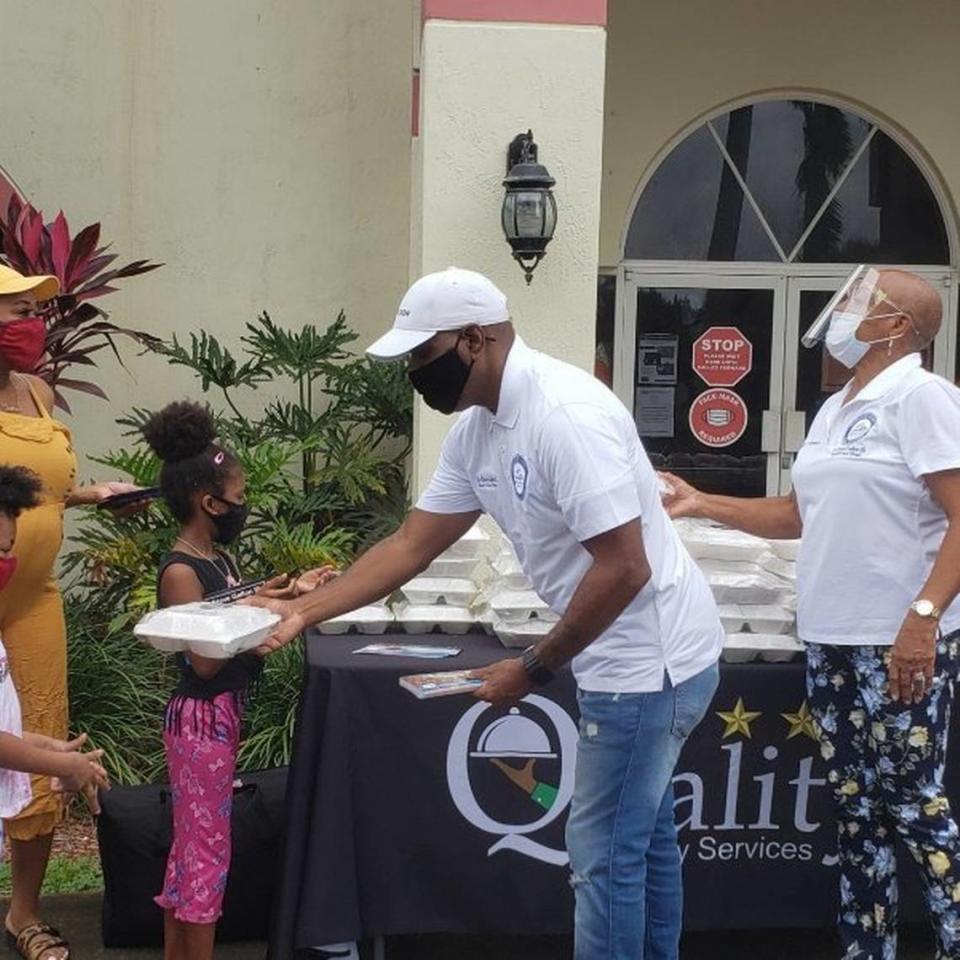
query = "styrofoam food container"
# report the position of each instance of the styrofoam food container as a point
(486, 618)
(423, 618)
(748, 588)
(521, 634)
(739, 648)
(509, 572)
(781, 649)
(768, 618)
(516, 606)
(373, 619)
(729, 566)
(214, 630)
(785, 569)
(458, 567)
(705, 542)
(470, 546)
(454, 591)
(773, 648)
(732, 618)
(786, 549)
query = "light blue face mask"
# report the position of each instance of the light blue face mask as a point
(842, 339)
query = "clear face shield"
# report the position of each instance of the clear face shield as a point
(858, 295)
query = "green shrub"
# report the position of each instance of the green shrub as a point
(325, 478)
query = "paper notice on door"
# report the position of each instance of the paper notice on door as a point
(657, 358)
(653, 411)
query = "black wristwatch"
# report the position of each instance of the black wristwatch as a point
(536, 671)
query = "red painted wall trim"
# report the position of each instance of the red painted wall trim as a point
(590, 12)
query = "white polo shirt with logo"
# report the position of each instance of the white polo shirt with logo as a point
(871, 530)
(559, 463)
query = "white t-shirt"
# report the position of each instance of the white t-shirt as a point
(558, 464)
(15, 791)
(871, 530)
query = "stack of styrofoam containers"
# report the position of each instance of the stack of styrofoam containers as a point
(753, 587)
(442, 597)
(511, 608)
(373, 619)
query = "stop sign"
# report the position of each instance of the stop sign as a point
(722, 357)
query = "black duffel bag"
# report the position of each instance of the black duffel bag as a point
(134, 831)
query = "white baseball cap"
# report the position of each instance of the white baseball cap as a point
(448, 300)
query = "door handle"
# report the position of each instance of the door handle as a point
(794, 430)
(771, 430)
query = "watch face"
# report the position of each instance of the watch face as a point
(924, 607)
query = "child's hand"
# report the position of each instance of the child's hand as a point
(52, 743)
(315, 578)
(85, 775)
(282, 587)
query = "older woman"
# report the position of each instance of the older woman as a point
(31, 612)
(877, 499)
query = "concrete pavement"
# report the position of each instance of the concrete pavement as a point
(78, 916)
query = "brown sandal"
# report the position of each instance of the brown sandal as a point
(36, 940)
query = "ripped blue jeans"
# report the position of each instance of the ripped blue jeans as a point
(621, 834)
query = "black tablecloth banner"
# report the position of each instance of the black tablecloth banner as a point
(401, 818)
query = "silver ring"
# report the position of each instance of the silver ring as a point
(919, 678)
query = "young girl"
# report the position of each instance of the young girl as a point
(204, 487)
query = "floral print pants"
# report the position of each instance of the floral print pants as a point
(201, 761)
(885, 765)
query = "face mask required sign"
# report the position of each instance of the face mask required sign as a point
(718, 418)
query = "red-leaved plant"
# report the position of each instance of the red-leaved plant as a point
(76, 328)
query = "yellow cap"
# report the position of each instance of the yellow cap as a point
(45, 288)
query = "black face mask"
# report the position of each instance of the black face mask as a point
(228, 526)
(440, 382)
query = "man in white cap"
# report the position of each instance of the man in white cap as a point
(554, 457)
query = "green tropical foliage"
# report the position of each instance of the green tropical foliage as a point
(324, 458)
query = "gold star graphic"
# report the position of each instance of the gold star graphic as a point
(801, 722)
(738, 719)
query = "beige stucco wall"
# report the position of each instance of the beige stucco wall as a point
(671, 63)
(260, 148)
(483, 83)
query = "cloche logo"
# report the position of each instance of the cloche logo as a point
(530, 749)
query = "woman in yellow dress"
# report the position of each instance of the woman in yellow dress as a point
(31, 611)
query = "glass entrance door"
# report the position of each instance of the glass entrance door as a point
(711, 364)
(701, 366)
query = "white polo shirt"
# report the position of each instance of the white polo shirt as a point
(871, 530)
(558, 464)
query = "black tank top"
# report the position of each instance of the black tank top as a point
(239, 673)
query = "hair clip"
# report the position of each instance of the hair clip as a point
(218, 458)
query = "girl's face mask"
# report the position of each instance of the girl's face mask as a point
(229, 525)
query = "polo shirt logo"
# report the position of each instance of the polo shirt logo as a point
(487, 480)
(860, 428)
(519, 472)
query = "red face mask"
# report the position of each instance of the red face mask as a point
(22, 342)
(8, 567)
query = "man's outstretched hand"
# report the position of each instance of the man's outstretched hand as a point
(291, 623)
